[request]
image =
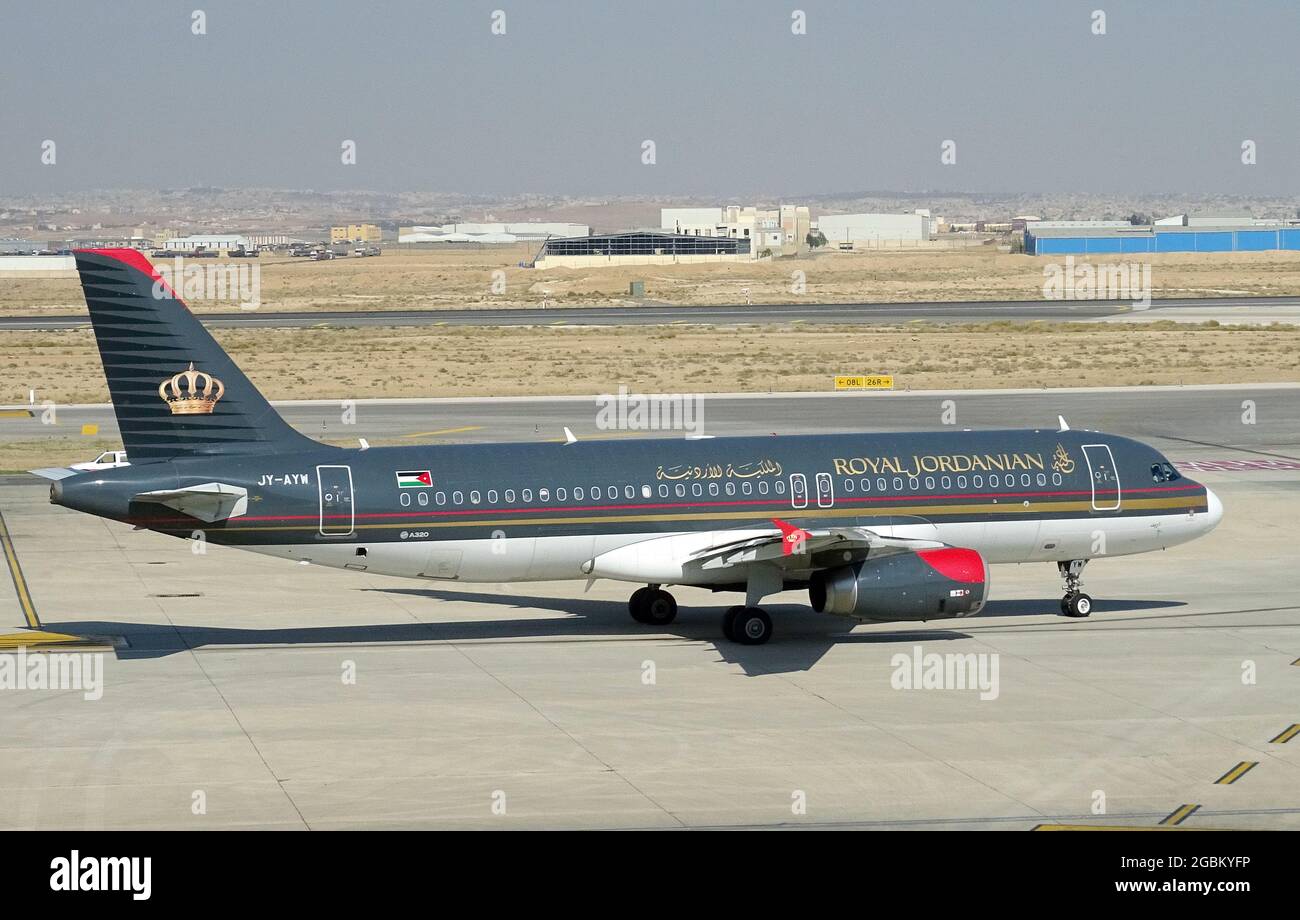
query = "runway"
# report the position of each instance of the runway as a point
(1167, 417)
(287, 696)
(1246, 309)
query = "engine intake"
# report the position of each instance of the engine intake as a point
(930, 584)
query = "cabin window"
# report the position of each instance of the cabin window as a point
(1026, 479)
(713, 488)
(680, 490)
(440, 498)
(994, 481)
(898, 484)
(475, 497)
(578, 494)
(543, 495)
(510, 496)
(696, 489)
(526, 495)
(865, 484)
(612, 492)
(422, 498)
(961, 482)
(492, 496)
(1056, 479)
(1042, 479)
(457, 498)
(946, 482)
(731, 488)
(929, 483)
(629, 492)
(746, 488)
(978, 481)
(645, 492)
(779, 487)
(913, 483)
(762, 487)
(847, 485)
(561, 494)
(663, 490)
(881, 485)
(405, 499)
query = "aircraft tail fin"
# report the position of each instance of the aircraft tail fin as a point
(175, 391)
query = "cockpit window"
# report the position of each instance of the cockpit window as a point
(1164, 472)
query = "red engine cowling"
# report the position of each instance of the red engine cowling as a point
(925, 585)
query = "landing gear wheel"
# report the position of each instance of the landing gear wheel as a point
(752, 626)
(636, 604)
(659, 607)
(1077, 605)
(729, 622)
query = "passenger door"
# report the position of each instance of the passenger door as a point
(1104, 475)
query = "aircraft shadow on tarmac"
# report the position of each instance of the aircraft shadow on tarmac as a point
(803, 637)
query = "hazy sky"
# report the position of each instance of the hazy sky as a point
(735, 103)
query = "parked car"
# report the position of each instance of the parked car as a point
(108, 460)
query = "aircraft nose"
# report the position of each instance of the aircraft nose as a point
(1215, 512)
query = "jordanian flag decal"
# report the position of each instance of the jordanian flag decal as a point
(414, 479)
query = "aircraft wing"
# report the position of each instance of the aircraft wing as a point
(795, 547)
(208, 501)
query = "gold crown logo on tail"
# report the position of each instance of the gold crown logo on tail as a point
(191, 398)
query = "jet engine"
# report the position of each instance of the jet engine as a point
(929, 584)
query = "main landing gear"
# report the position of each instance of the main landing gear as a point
(747, 625)
(1075, 603)
(655, 607)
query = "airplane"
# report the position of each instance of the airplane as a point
(876, 527)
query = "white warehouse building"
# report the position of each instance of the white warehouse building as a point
(217, 241)
(869, 228)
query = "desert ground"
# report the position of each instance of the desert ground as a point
(453, 278)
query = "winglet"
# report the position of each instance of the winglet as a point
(792, 537)
(569, 437)
(1065, 426)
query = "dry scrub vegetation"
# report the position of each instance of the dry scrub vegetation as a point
(500, 361)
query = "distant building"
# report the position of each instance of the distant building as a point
(782, 230)
(641, 247)
(221, 242)
(846, 230)
(356, 233)
(1160, 238)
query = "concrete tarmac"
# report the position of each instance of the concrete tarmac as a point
(250, 692)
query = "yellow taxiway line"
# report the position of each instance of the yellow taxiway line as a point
(1285, 735)
(429, 434)
(1236, 773)
(16, 573)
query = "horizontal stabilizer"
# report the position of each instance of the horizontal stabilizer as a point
(54, 473)
(209, 501)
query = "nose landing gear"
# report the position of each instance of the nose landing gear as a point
(1075, 603)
